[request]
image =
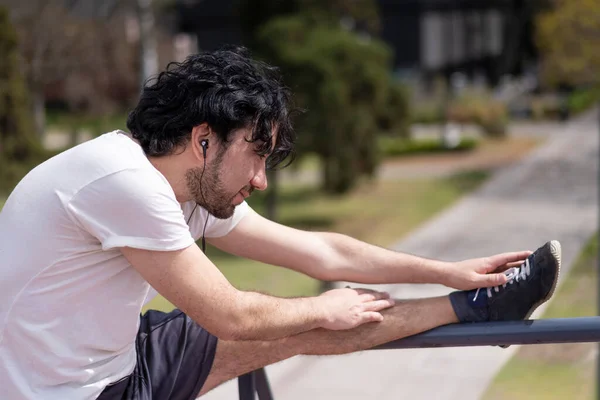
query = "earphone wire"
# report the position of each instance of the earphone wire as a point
(196, 206)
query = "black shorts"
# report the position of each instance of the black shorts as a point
(174, 357)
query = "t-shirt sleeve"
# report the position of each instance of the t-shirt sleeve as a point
(131, 208)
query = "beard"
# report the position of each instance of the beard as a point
(206, 188)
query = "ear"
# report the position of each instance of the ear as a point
(199, 133)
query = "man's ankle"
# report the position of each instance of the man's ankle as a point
(467, 310)
(454, 317)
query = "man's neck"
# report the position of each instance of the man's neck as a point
(170, 168)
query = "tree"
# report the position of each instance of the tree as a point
(351, 24)
(148, 51)
(254, 14)
(357, 14)
(66, 44)
(19, 147)
(568, 36)
(52, 43)
(343, 80)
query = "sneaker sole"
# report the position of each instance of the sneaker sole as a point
(556, 251)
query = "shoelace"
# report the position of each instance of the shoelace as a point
(514, 275)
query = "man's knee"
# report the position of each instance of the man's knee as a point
(233, 359)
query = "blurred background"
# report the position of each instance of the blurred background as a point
(410, 105)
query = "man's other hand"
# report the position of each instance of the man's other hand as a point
(348, 308)
(482, 272)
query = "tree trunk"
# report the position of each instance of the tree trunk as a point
(271, 201)
(329, 173)
(38, 104)
(73, 137)
(148, 53)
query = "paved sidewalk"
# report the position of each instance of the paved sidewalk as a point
(444, 165)
(551, 194)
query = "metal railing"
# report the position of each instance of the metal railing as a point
(561, 330)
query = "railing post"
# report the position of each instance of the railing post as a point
(252, 383)
(247, 386)
(598, 274)
(262, 385)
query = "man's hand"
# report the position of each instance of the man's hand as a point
(348, 308)
(482, 272)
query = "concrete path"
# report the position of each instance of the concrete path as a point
(552, 194)
(437, 166)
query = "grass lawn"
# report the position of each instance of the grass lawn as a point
(557, 371)
(380, 213)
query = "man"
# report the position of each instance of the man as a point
(85, 235)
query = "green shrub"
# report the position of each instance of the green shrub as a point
(392, 147)
(546, 107)
(426, 113)
(489, 114)
(582, 99)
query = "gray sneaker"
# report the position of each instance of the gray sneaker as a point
(528, 287)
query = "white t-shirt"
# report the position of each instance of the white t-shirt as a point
(69, 301)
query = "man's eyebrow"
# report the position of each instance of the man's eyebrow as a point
(264, 147)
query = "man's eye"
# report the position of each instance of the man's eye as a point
(262, 152)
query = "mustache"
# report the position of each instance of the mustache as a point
(247, 189)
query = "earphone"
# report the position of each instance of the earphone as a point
(204, 144)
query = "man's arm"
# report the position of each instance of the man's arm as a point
(335, 257)
(191, 282)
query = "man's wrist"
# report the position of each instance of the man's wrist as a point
(318, 311)
(437, 271)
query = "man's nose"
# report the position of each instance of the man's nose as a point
(259, 181)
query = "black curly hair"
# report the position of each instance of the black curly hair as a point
(226, 89)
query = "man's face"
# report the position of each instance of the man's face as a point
(231, 174)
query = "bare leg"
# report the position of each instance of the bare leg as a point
(406, 318)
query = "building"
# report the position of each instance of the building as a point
(491, 37)
(484, 38)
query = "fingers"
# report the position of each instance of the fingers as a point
(367, 297)
(370, 316)
(514, 264)
(499, 269)
(378, 305)
(490, 280)
(510, 265)
(505, 258)
(498, 276)
(363, 290)
(370, 295)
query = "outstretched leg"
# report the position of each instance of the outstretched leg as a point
(406, 318)
(529, 286)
